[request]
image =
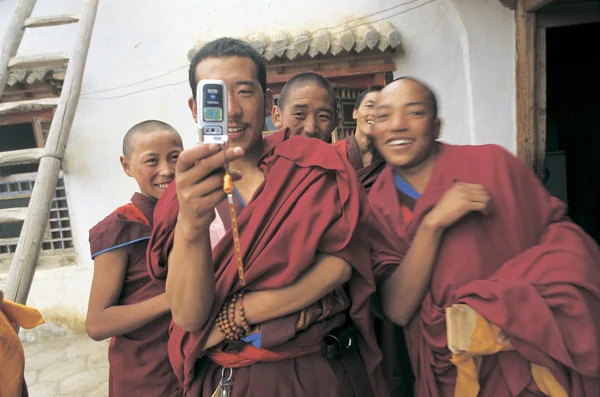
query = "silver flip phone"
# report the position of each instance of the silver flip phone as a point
(211, 97)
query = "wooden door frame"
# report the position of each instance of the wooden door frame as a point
(532, 18)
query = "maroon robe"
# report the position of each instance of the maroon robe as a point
(367, 175)
(390, 337)
(310, 202)
(139, 364)
(526, 268)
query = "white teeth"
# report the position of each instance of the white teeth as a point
(399, 142)
(163, 185)
(234, 129)
(369, 122)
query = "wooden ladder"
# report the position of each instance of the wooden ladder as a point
(27, 253)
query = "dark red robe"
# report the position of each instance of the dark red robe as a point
(310, 202)
(367, 175)
(390, 337)
(526, 268)
(139, 364)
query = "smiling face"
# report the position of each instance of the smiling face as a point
(406, 127)
(364, 115)
(152, 161)
(308, 111)
(247, 104)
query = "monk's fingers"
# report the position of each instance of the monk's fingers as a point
(478, 206)
(211, 200)
(204, 162)
(190, 195)
(207, 166)
(470, 185)
(191, 156)
(480, 197)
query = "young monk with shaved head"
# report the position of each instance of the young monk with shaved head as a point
(520, 282)
(125, 304)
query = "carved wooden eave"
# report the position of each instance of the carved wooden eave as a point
(290, 46)
(33, 83)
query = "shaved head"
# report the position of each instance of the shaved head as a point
(303, 79)
(145, 127)
(429, 92)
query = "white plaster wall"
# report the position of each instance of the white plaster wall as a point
(463, 48)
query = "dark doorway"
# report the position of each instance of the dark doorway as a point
(573, 122)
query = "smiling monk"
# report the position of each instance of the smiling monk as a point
(302, 216)
(125, 304)
(359, 148)
(520, 280)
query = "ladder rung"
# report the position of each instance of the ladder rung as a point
(13, 215)
(28, 106)
(51, 20)
(54, 60)
(17, 157)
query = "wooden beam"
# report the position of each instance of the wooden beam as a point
(534, 5)
(12, 215)
(335, 72)
(51, 20)
(22, 118)
(26, 256)
(525, 84)
(12, 38)
(28, 106)
(54, 60)
(17, 157)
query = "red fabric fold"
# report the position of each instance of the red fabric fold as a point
(526, 268)
(310, 202)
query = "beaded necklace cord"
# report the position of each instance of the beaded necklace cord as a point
(229, 190)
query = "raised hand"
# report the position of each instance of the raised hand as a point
(458, 201)
(199, 175)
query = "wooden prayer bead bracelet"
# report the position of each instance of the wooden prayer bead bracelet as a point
(226, 318)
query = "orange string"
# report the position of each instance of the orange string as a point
(229, 189)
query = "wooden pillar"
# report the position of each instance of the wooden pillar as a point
(13, 36)
(541, 103)
(525, 74)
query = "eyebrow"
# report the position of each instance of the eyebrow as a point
(416, 104)
(246, 82)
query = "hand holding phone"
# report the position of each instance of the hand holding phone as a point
(212, 111)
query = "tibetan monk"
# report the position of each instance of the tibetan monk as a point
(307, 106)
(301, 216)
(12, 356)
(358, 148)
(125, 304)
(525, 278)
(368, 163)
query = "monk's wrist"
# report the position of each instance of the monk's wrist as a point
(191, 232)
(432, 224)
